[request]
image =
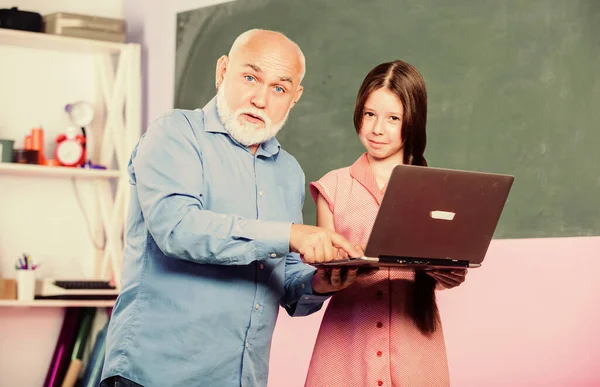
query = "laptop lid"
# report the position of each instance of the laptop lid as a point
(438, 214)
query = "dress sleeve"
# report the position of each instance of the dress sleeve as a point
(326, 186)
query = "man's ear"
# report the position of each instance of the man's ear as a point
(299, 91)
(221, 69)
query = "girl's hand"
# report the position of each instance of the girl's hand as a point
(329, 280)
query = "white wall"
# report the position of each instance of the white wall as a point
(40, 215)
(154, 28)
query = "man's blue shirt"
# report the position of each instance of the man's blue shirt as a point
(207, 261)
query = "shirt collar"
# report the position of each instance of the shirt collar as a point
(361, 172)
(213, 124)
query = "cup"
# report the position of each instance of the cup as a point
(25, 285)
(6, 150)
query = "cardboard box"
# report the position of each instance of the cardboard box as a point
(85, 26)
(8, 289)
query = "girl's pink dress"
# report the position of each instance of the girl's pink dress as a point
(366, 337)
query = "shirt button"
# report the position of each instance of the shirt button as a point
(262, 266)
(379, 353)
(380, 383)
(301, 286)
(379, 324)
(273, 255)
(380, 295)
(260, 193)
(247, 345)
(257, 306)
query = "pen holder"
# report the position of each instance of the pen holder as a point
(25, 285)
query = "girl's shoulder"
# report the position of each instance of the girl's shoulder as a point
(330, 184)
(336, 177)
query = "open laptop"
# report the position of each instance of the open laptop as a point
(433, 218)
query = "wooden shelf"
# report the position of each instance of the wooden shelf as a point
(57, 303)
(41, 171)
(40, 40)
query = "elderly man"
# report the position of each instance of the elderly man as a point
(214, 234)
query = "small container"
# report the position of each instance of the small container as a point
(25, 285)
(6, 150)
(37, 143)
(25, 156)
(28, 142)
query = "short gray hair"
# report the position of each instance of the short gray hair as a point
(245, 36)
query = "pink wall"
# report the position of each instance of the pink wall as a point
(529, 317)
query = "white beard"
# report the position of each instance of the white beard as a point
(247, 133)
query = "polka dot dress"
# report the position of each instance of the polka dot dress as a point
(366, 336)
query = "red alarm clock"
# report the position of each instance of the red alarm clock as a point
(70, 149)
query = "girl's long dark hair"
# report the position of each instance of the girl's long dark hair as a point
(406, 82)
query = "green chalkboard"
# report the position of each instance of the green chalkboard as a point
(514, 87)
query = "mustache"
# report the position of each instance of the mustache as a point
(253, 112)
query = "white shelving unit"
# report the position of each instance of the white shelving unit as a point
(117, 68)
(43, 171)
(59, 43)
(57, 303)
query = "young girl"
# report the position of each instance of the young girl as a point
(383, 330)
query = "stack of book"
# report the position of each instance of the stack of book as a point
(68, 367)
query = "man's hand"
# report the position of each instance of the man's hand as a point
(448, 278)
(328, 280)
(318, 244)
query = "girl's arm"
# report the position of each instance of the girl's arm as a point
(325, 218)
(324, 214)
(332, 280)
